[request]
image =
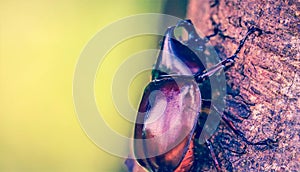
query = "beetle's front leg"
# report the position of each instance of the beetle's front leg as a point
(199, 77)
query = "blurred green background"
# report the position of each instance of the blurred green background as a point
(40, 42)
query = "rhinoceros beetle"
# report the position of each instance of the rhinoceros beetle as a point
(167, 120)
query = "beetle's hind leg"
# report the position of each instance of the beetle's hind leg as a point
(260, 145)
(213, 155)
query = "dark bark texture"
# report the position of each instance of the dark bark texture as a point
(264, 82)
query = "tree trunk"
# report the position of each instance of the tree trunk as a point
(264, 81)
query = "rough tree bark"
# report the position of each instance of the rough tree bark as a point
(265, 80)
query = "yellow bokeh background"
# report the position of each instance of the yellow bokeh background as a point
(40, 43)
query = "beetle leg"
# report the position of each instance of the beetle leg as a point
(251, 30)
(213, 155)
(209, 72)
(267, 143)
(229, 60)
